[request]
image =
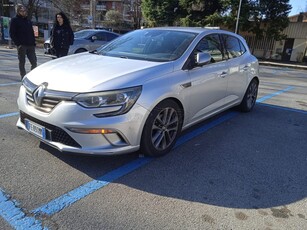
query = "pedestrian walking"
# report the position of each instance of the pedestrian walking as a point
(22, 34)
(62, 35)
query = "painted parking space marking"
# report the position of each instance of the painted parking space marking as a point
(9, 115)
(71, 197)
(10, 211)
(275, 94)
(8, 84)
(202, 129)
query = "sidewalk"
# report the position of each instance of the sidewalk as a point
(5, 47)
(294, 65)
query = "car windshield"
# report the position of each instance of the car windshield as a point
(152, 45)
(83, 33)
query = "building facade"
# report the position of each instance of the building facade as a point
(293, 48)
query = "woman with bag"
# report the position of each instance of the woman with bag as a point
(62, 35)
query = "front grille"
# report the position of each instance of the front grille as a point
(54, 133)
(47, 104)
(48, 98)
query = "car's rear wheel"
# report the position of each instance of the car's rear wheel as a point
(250, 96)
(81, 50)
(161, 129)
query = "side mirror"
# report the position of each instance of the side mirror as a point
(202, 58)
(93, 38)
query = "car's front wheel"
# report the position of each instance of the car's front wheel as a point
(250, 96)
(161, 129)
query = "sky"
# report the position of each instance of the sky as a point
(297, 6)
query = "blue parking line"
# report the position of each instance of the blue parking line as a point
(9, 115)
(203, 129)
(71, 197)
(15, 216)
(275, 94)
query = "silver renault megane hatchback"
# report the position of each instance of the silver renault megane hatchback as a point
(139, 91)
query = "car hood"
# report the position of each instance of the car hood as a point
(88, 72)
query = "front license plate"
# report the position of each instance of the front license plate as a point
(36, 129)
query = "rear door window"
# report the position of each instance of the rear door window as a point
(233, 46)
(101, 36)
(110, 36)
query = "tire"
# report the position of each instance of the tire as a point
(81, 50)
(250, 96)
(161, 129)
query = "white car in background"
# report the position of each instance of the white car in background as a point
(139, 91)
(86, 40)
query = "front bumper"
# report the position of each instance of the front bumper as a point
(67, 114)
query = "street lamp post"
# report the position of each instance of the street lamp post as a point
(93, 13)
(238, 17)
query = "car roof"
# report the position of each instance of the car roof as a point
(186, 29)
(197, 30)
(96, 30)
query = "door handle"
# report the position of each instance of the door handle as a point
(186, 85)
(245, 68)
(224, 74)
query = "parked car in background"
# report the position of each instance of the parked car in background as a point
(138, 91)
(86, 40)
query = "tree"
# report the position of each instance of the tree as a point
(159, 12)
(71, 8)
(114, 19)
(187, 12)
(199, 12)
(263, 18)
(136, 13)
(32, 7)
(270, 19)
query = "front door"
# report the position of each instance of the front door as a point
(209, 82)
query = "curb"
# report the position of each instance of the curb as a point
(294, 66)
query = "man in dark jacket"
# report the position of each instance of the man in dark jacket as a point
(22, 34)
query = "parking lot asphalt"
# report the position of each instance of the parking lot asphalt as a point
(233, 171)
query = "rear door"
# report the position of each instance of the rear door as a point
(101, 40)
(239, 67)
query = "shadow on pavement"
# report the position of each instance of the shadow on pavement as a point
(255, 160)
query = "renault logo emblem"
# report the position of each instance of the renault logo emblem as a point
(39, 93)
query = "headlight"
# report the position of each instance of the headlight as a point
(113, 102)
